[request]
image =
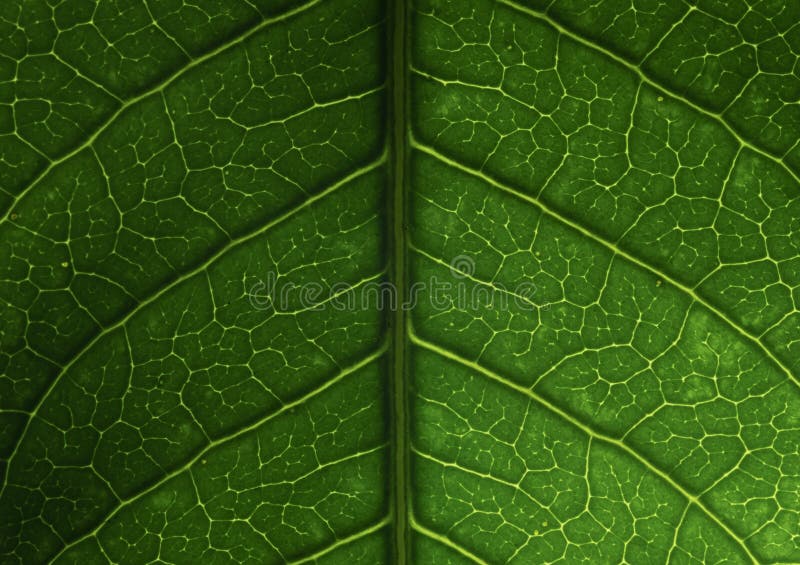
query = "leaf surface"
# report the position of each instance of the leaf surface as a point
(595, 210)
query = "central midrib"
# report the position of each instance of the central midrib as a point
(397, 53)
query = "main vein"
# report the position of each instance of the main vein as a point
(396, 318)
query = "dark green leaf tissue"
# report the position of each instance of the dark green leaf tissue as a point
(386, 282)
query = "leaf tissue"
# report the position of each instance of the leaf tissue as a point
(375, 281)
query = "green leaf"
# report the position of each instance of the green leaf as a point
(463, 281)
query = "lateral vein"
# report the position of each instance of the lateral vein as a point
(507, 383)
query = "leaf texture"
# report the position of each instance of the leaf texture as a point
(632, 166)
